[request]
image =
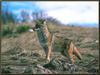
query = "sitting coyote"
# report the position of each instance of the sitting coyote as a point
(49, 41)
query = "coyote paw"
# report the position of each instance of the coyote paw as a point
(47, 60)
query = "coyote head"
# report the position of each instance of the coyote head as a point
(39, 24)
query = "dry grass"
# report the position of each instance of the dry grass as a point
(17, 52)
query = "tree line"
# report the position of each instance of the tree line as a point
(24, 16)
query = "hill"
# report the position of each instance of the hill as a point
(23, 53)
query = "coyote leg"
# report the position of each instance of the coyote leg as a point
(49, 47)
(77, 53)
(73, 51)
(49, 53)
(70, 52)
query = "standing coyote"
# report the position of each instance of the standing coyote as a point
(48, 41)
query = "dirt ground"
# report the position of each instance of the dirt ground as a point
(23, 53)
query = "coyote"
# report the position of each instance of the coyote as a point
(48, 40)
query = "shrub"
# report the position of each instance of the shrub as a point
(12, 31)
(6, 30)
(23, 28)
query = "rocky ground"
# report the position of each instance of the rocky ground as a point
(22, 54)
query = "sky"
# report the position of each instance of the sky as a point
(65, 11)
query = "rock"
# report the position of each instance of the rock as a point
(52, 65)
(61, 65)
